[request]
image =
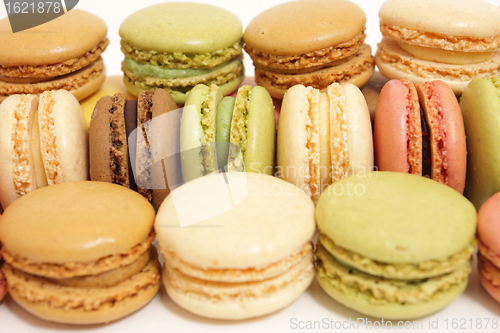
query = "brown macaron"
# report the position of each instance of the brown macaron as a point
(64, 53)
(114, 154)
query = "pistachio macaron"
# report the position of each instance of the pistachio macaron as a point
(70, 264)
(394, 245)
(245, 259)
(314, 43)
(480, 105)
(178, 45)
(232, 134)
(453, 41)
(64, 53)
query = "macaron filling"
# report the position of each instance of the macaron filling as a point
(379, 291)
(399, 271)
(445, 56)
(118, 142)
(181, 60)
(239, 129)
(143, 70)
(488, 270)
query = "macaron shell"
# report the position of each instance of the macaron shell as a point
(191, 141)
(292, 157)
(7, 116)
(71, 136)
(297, 27)
(41, 46)
(475, 19)
(488, 225)
(394, 63)
(99, 144)
(261, 132)
(169, 27)
(359, 130)
(353, 299)
(447, 135)
(118, 220)
(267, 224)
(480, 103)
(390, 129)
(370, 214)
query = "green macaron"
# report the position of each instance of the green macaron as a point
(480, 105)
(178, 45)
(228, 134)
(394, 245)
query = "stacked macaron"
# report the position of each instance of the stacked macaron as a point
(314, 43)
(323, 136)
(50, 57)
(232, 134)
(250, 253)
(119, 158)
(80, 252)
(480, 105)
(43, 141)
(450, 40)
(488, 227)
(394, 245)
(419, 130)
(178, 45)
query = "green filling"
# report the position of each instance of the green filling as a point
(224, 117)
(142, 70)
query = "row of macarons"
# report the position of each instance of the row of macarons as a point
(240, 245)
(353, 198)
(178, 45)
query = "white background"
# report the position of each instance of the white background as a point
(162, 315)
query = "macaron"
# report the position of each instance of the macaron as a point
(323, 136)
(50, 57)
(3, 282)
(112, 85)
(419, 130)
(245, 259)
(80, 252)
(119, 158)
(488, 228)
(480, 105)
(177, 45)
(394, 245)
(232, 134)
(452, 41)
(314, 43)
(43, 141)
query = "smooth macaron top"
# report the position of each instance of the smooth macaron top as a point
(76, 222)
(298, 27)
(488, 223)
(396, 218)
(255, 221)
(468, 18)
(67, 37)
(182, 27)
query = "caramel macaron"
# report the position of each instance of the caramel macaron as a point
(80, 252)
(453, 41)
(61, 54)
(314, 43)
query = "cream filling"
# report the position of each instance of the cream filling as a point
(338, 132)
(48, 145)
(41, 178)
(445, 56)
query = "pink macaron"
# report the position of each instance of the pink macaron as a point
(419, 130)
(488, 232)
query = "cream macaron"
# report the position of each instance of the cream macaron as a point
(323, 136)
(251, 252)
(43, 141)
